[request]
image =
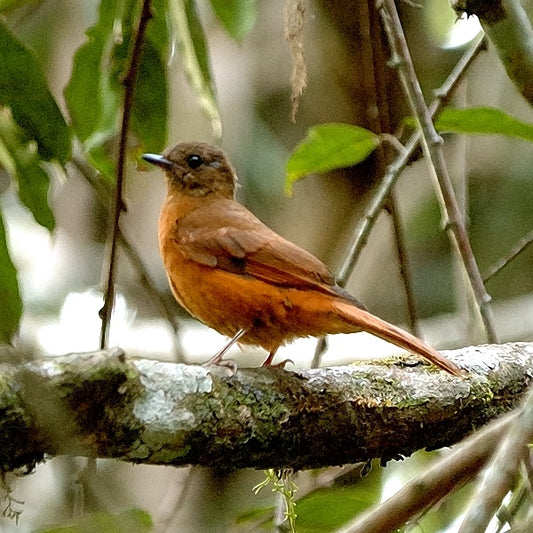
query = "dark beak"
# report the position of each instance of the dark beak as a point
(158, 160)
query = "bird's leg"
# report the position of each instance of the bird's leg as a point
(268, 360)
(217, 358)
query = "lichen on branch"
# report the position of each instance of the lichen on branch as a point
(102, 405)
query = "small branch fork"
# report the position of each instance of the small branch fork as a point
(129, 89)
(379, 200)
(427, 489)
(395, 169)
(499, 475)
(432, 146)
(513, 253)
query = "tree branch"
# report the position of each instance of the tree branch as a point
(513, 253)
(100, 405)
(362, 232)
(500, 475)
(393, 171)
(425, 490)
(432, 147)
(508, 27)
(118, 206)
(103, 191)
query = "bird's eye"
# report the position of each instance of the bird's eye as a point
(194, 161)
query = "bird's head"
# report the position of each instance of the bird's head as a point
(196, 169)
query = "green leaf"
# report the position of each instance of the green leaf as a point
(10, 302)
(193, 46)
(483, 121)
(92, 99)
(236, 16)
(82, 94)
(132, 521)
(342, 503)
(24, 89)
(10, 5)
(22, 162)
(95, 92)
(150, 104)
(327, 147)
(149, 111)
(33, 186)
(158, 28)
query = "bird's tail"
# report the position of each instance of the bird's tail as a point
(378, 327)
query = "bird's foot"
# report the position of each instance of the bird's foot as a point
(217, 360)
(268, 363)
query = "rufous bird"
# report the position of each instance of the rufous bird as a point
(233, 273)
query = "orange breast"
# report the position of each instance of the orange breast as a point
(227, 302)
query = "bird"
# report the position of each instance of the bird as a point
(236, 275)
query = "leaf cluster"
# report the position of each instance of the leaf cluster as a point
(39, 130)
(37, 138)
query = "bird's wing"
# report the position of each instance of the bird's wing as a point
(259, 255)
(236, 241)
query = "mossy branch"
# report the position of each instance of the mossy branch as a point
(102, 405)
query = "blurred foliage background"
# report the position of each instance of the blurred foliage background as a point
(346, 57)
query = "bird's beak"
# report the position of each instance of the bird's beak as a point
(158, 160)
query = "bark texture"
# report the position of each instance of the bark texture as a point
(102, 405)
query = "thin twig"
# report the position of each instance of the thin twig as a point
(386, 153)
(425, 490)
(362, 232)
(321, 347)
(432, 146)
(403, 261)
(129, 88)
(374, 85)
(365, 226)
(506, 513)
(514, 252)
(500, 474)
(103, 194)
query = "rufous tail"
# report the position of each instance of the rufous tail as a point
(378, 327)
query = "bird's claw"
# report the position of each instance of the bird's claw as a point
(217, 360)
(278, 365)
